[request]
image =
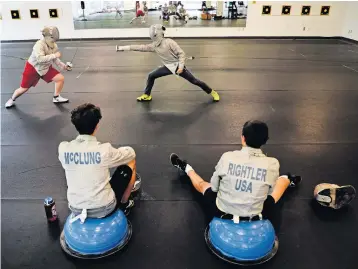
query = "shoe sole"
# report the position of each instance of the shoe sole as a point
(137, 183)
(144, 100)
(344, 195)
(61, 102)
(129, 209)
(171, 157)
(7, 107)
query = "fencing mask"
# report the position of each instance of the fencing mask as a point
(156, 33)
(51, 35)
(334, 196)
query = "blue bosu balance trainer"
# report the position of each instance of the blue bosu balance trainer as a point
(96, 238)
(243, 243)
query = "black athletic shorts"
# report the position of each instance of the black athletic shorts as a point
(210, 204)
(213, 211)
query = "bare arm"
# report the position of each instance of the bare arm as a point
(199, 184)
(282, 184)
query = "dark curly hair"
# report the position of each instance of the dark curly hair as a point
(255, 133)
(85, 118)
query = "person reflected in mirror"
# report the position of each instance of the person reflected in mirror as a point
(139, 13)
(118, 13)
(165, 13)
(173, 9)
(203, 6)
(182, 15)
(145, 8)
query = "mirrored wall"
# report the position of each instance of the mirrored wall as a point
(99, 14)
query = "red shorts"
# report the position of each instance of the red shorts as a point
(140, 13)
(30, 77)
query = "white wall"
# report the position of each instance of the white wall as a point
(28, 28)
(295, 24)
(350, 25)
(257, 24)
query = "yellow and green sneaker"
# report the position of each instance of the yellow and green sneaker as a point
(144, 98)
(215, 96)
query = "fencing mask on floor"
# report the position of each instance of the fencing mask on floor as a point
(51, 35)
(334, 196)
(156, 33)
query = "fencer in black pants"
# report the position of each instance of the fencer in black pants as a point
(173, 59)
(164, 71)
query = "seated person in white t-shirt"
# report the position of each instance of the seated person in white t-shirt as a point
(182, 15)
(246, 184)
(87, 162)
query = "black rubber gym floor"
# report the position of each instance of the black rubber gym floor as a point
(306, 90)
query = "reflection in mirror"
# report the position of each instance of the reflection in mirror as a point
(99, 14)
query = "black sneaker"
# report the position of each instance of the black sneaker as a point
(294, 180)
(137, 183)
(126, 208)
(177, 162)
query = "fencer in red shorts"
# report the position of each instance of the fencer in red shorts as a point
(39, 66)
(141, 11)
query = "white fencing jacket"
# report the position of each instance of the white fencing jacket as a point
(87, 162)
(243, 179)
(43, 56)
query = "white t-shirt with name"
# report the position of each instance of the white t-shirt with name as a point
(87, 162)
(243, 179)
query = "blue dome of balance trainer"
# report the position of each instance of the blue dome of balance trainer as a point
(96, 236)
(245, 241)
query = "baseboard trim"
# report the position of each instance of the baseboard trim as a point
(222, 37)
